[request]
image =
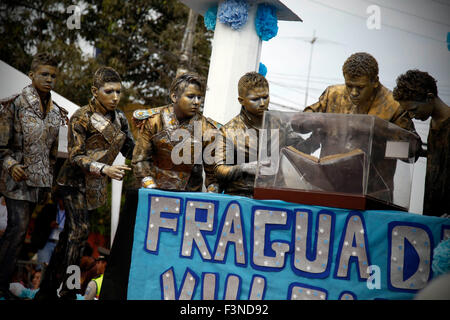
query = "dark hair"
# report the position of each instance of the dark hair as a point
(103, 75)
(361, 64)
(251, 80)
(414, 85)
(43, 59)
(182, 81)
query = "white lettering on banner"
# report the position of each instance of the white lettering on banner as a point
(231, 232)
(169, 285)
(353, 247)
(233, 285)
(303, 292)
(306, 243)
(157, 222)
(262, 218)
(209, 286)
(322, 243)
(194, 228)
(412, 241)
(190, 282)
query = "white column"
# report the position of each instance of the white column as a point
(234, 52)
(116, 195)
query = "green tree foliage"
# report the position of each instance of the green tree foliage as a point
(141, 39)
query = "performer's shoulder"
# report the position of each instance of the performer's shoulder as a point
(336, 89)
(142, 114)
(6, 102)
(82, 115)
(213, 123)
(120, 113)
(235, 121)
(385, 98)
(62, 110)
(84, 110)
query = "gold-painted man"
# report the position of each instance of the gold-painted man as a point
(363, 93)
(237, 150)
(238, 145)
(417, 93)
(172, 140)
(97, 133)
(29, 128)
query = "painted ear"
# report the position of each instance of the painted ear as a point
(31, 75)
(377, 82)
(430, 96)
(94, 91)
(241, 100)
(173, 97)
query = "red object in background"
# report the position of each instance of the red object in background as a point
(96, 240)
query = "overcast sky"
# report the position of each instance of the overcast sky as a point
(412, 34)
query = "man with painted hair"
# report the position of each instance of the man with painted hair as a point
(172, 139)
(238, 178)
(97, 133)
(29, 129)
(417, 93)
(362, 93)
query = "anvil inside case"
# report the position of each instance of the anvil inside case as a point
(336, 160)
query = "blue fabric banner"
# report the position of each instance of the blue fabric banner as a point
(216, 246)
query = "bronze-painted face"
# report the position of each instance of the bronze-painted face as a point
(255, 101)
(360, 89)
(421, 110)
(108, 95)
(188, 103)
(43, 78)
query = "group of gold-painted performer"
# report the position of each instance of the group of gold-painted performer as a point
(30, 123)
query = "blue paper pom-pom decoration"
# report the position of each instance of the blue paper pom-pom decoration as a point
(441, 258)
(266, 22)
(233, 13)
(210, 18)
(262, 69)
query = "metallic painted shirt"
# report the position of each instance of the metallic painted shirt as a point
(152, 156)
(94, 140)
(232, 133)
(30, 138)
(335, 99)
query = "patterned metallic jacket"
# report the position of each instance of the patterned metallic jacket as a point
(152, 156)
(94, 140)
(30, 138)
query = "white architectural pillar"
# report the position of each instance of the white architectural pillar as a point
(234, 52)
(116, 195)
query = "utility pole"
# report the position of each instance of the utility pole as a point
(186, 44)
(313, 40)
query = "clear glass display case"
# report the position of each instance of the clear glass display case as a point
(338, 160)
